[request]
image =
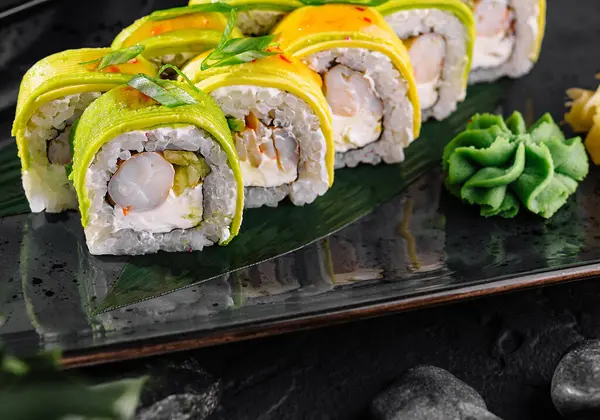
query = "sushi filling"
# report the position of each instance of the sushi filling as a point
(169, 188)
(437, 42)
(269, 155)
(158, 192)
(495, 42)
(356, 108)
(427, 54)
(280, 144)
(373, 115)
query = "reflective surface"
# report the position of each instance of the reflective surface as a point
(415, 246)
(421, 242)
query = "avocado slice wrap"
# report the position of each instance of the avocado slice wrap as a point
(279, 75)
(177, 39)
(124, 113)
(440, 36)
(53, 93)
(369, 51)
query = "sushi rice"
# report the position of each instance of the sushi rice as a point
(509, 36)
(440, 46)
(258, 22)
(45, 181)
(366, 75)
(277, 108)
(390, 88)
(53, 95)
(110, 231)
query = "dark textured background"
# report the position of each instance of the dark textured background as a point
(506, 347)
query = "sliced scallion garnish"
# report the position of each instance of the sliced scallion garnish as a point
(164, 92)
(121, 56)
(232, 51)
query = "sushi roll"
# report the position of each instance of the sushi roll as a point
(439, 37)
(53, 94)
(156, 172)
(258, 17)
(367, 79)
(174, 36)
(509, 37)
(283, 136)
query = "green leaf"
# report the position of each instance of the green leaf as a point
(120, 56)
(188, 10)
(235, 124)
(116, 401)
(36, 388)
(238, 50)
(269, 232)
(163, 91)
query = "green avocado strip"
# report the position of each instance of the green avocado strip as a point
(56, 76)
(118, 112)
(495, 164)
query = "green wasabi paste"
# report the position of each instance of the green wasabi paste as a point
(499, 165)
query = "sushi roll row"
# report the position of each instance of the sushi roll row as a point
(162, 139)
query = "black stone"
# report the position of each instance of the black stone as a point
(576, 382)
(430, 393)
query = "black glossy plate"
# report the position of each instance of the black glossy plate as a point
(411, 249)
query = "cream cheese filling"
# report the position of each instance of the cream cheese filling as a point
(176, 212)
(492, 51)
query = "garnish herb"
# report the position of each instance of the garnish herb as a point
(188, 10)
(117, 57)
(37, 388)
(180, 73)
(235, 124)
(232, 51)
(162, 91)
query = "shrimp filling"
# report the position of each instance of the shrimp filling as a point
(158, 192)
(427, 54)
(495, 21)
(268, 155)
(356, 108)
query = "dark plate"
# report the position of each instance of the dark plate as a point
(419, 248)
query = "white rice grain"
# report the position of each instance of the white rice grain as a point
(451, 88)
(219, 189)
(46, 185)
(391, 88)
(520, 61)
(282, 109)
(258, 22)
